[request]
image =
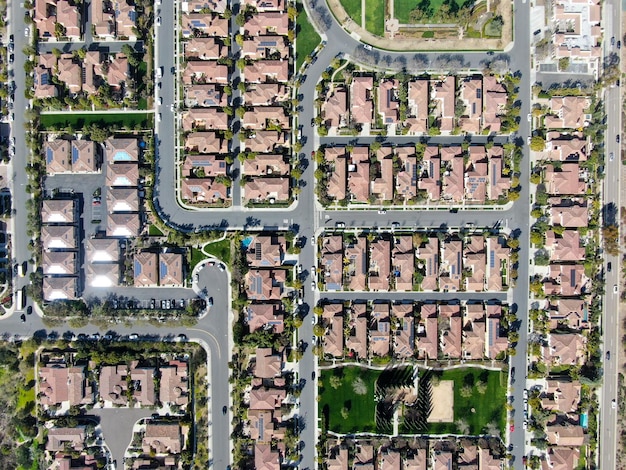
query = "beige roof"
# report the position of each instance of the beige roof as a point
(163, 438)
(333, 336)
(574, 313)
(428, 256)
(205, 71)
(486, 461)
(105, 250)
(265, 189)
(204, 48)
(145, 269)
(265, 315)
(380, 265)
(50, 12)
(379, 330)
(565, 247)
(84, 156)
(570, 216)
(451, 265)
(404, 339)
(203, 190)
(359, 174)
(205, 95)
(124, 18)
(565, 349)
(57, 155)
(122, 200)
(122, 174)
(476, 179)
(403, 263)
(561, 395)
(268, 364)
(564, 181)
(382, 185)
(267, 141)
(416, 460)
(335, 107)
(171, 269)
(143, 386)
(113, 385)
(498, 184)
(58, 438)
(429, 176)
(59, 263)
(452, 161)
(390, 460)
(566, 148)
(60, 211)
(263, 47)
(443, 95)
(217, 6)
(265, 458)
(356, 340)
(264, 94)
(569, 435)
(207, 23)
(205, 142)
(442, 460)
(337, 183)
(361, 99)
(475, 265)
(266, 165)
(337, 459)
(567, 112)
(418, 94)
(267, 23)
(561, 458)
(117, 73)
(62, 237)
(265, 284)
(264, 117)
(262, 398)
(472, 97)
(204, 119)
(60, 288)
(495, 98)
(451, 336)
(496, 336)
(568, 280)
(388, 100)
(498, 255)
(406, 177)
(355, 253)
(267, 71)
(174, 383)
(70, 73)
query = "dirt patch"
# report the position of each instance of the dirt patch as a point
(443, 402)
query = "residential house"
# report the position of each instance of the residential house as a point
(380, 330)
(58, 211)
(570, 313)
(171, 269)
(361, 99)
(380, 265)
(58, 237)
(162, 439)
(427, 332)
(451, 267)
(266, 189)
(390, 460)
(336, 158)
(453, 174)
(209, 24)
(430, 173)
(122, 174)
(476, 175)
(205, 71)
(60, 288)
(568, 112)
(451, 331)
(364, 458)
(266, 5)
(49, 13)
(113, 386)
(60, 439)
(333, 335)
(567, 148)
(143, 384)
(57, 155)
(63, 385)
(268, 363)
(566, 180)
(486, 461)
(404, 335)
(337, 458)
(472, 98)
(174, 383)
(496, 337)
(359, 175)
(269, 399)
(564, 247)
(122, 200)
(102, 250)
(265, 47)
(569, 213)
(475, 264)
(266, 165)
(335, 107)
(203, 191)
(428, 263)
(204, 166)
(382, 185)
(416, 459)
(388, 101)
(103, 275)
(266, 117)
(265, 284)
(70, 73)
(474, 332)
(266, 458)
(495, 99)
(406, 177)
(204, 48)
(355, 252)
(417, 120)
(565, 435)
(403, 263)
(566, 280)
(61, 263)
(196, 119)
(498, 265)
(267, 23)
(443, 94)
(498, 184)
(205, 95)
(356, 340)
(84, 157)
(565, 349)
(332, 262)
(265, 251)
(561, 395)
(441, 460)
(561, 458)
(145, 266)
(267, 70)
(44, 86)
(216, 6)
(265, 94)
(265, 316)
(267, 142)
(118, 71)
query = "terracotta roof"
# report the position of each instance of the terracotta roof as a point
(145, 269)
(60, 384)
(268, 364)
(574, 313)
(267, 23)
(475, 264)
(495, 98)
(262, 189)
(84, 156)
(58, 438)
(266, 165)
(390, 460)
(336, 157)
(264, 94)
(416, 460)
(335, 107)
(59, 263)
(266, 5)
(452, 161)
(570, 216)
(70, 73)
(204, 119)
(210, 24)
(266, 251)
(476, 179)
(561, 395)
(450, 337)
(498, 184)
(443, 94)
(356, 340)
(428, 255)
(472, 96)
(418, 94)
(382, 185)
(441, 460)
(498, 256)
(565, 247)
(265, 284)
(361, 99)
(122, 174)
(62, 237)
(569, 435)
(565, 349)
(204, 48)
(117, 72)
(404, 339)
(333, 335)
(57, 156)
(332, 262)
(263, 117)
(567, 112)
(205, 95)
(105, 250)
(451, 265)
(403, 263)
(60, 288)
(203, 190)
(58, 211)
(560, 458)
(564, 181)
(171, 269)
(380, 264)
(406, 177)
(355, 253)
(113, 385)
(379, 330)
(122, 200)
(388, 101)
(163, 438)
(125, 225)
(267, 141)
(359, 174)
(264, 47)
(265, 458)
(205, 71)
(337, 459)
(567, 280)
(205, 142)
(268, 399)
(174, 383)
(266, 71)
(429, 175)
(264, 315)
(125, 15)
(566, 148)
(217, 6)
(143, 384)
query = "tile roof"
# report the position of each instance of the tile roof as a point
(58, 211)
(60, 288)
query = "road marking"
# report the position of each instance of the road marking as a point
(219, 353)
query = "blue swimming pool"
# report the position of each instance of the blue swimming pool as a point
(121, 156)
(245, 243)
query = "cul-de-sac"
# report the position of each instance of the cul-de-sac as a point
(312, 235)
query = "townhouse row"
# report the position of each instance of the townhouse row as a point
(402, 175)
(414, 262)
(361, 331)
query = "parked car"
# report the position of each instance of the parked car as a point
(608, 266)
(608, 355)
(210, 302)
(221, 267)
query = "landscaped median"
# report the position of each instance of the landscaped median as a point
(356, 399)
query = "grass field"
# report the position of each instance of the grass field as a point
(353, 9)
(403, 8)
(196, 257)
(361, 408)
(307, 38)
(220, 250)
(27, 396)
(154, 231)
(375, 17)
(479, 410)
(78, 121)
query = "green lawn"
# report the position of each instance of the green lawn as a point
(477, 410)
(353, 9)
(403, 8)
(196, 257)
(361, 407)
(220, 250)
(78, 121)
(375, 17)
(307, 38)
(27, 394)
(154, 231)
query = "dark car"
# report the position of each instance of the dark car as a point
(617, 138)
(29, 309)
(224, 409)
(608, 267)
(619, 44)
(23, 318)
(608, 355)
(210, 301)
(512, 373)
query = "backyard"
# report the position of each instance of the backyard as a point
(307, 38)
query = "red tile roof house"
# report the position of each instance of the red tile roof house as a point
(60, 288)
(389, 460)
(70, 73)
(265, 284)
(217, 6)
(143, 384)
(441, 460)
(451, 266)
(495, 103)
(205, 142)
(59, 439)
(59, 263)
(204, 23)
(62, 385)
(204, 165)
(267, 71)
(266, 5)
(333, 335)
(380, 265)
(266, 251)
(498, 263)
(204, 48)
(565, 349)
(259, 316)
(266, 117)
(567, 148)
(335, 108)
(205, 96)
(267, 141)
(356, 256)
(475, 264)
(268, 399)
(332, 262)
(103, 275)
(380, 330)
(174, 383)
(427, 332)
(266, 22)
(337, 458)
(145, 267)
(561, 395)
(388, 102)
(429, 178)
(203, 190)
(265, 458)
(266, 189)
(102, 250)
(566, 280)
(452, 162)
(205, 119)
(568, 112)
(113, 386)
(472, 97)
(58, 211)
(122, 200)
(569, 213)
(44, 88)
(264, 47)
(382, 186)
(123, 225)
(566, 435)
(162, 439)
(265, 94)
(57, 155)
(565, 247)
(417, 121)
(451, 334)
(122, 174)
(406, 178)
(356, 340)
(498, 184)
(474, 332)
(84, 156)
(497, 338)
(404, 337)
(428, 261)
(268, 364)
(476, 179)
(361, 100)
(49, 12)
(205, 71)
(443, 95)
(416, 459)
(62, 237)
(566, 181)
(266, 165)
(359, 175)
(364, 458)
(571, 313)
(403, 263)
(561, 458)
(336, 157)
(171, 269)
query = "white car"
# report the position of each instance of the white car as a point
(27, 31)
(313, 320)
(613, 404)
(615, 289)
(312, 285)
(159, 117)
(158, 21)
(313, 241)
(525, 425)
(299, 268)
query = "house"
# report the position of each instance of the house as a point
(204, 119)
(337, 160)
(57, 155)
(498, 184)
(337, 458)
(443, 95)
(122, 200)
(266, 117)
(70, 73)
(102, 250)
(63, 385)
(430, 173)
(467, 458)
(561, 458)
(269, 399)
(265, 94)
(203, 190)
(564, 247)
(476, 175)
(565, 349)
(451, 332)
(382, 185)
(333, 335)
(262, 424)
(332, 262)
(125, 16)
(266, 5)
(379, 330)
(568, 112)
(209, 24)
(475, 264)
(380, 265)
(174, 383)
(162, 439)
(451, 267)
(417, 120)
(216, 6)
(427, 334)
(389, 460)
(205, 71)
(388, 101)
(265, 284)
(561, 395)
(406, 177)
(441, 460)
(58, 211)
(453, 174)
(171, 269)
(498, 266)
(265, 47)
(496, 336)
(404, 337)
(266, 251)
(145, 269)
(60, 288)
(50, 12)
(567, 149)
(361, 99)
(268, 364)
(335, 107)
(84, 157)
(566, 180)
(359, 175)
(264, 315)
(204, 48)
(103, 274)
(356, 258)
(428, 263)
(206, 142)
(267, 70)
(122, 175)
(402, 260)
(266, 189)
(364, 457)
(266, 165)
(472, 98)
(44, 86)
(205, 95)
(118, 71)
(143, 384)
(565, 435)
(571, 313)
(416, 459)
(570, 214)
(59, 263)
(494, 100)
(113, 386)
(266, 458)
(267, 23)
(59, 439)
(356, 340)
(58, 237)
(474, 332)
(486, 461)
(566, 280)
(267, 142)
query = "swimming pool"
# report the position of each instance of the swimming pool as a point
(245, 243)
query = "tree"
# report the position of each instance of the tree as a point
(358, 386)
(610, 238)
(345, 412)
(335, 381)
(537, 144)
(466, 391)
(481, 387)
